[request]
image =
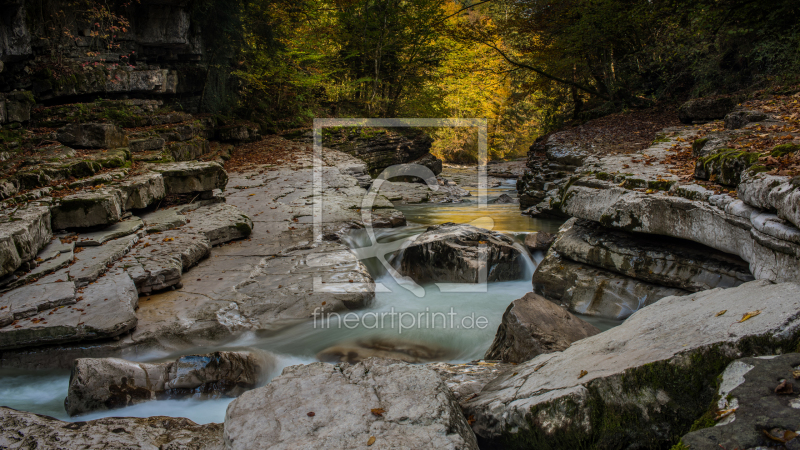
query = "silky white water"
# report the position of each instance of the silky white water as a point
(456, 327)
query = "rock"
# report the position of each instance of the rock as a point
(567, 155)
(110, 383)
(748, 386)
(644, 381)
(773, 193)
(28, 301)
(382, 148)
(189, 151)
(158, 261)
(659, 260)
(27, 430)
(712, 143)
(147, 144)
(591, 291)
(106, 310)
(163, 220)
(92, 135)
(192, 177)
(539, 241)
(88, 209)
(726, 166)
(506, 199)
(23, 232)
(15, 38)
(95, 261)
(321, 405)
(738, 119)
(142, 191)
(706, 109)
(363, 349)
(722, 223)
(220, 223)
(533, 326)
(118, 230)
(453, 253)
(531, 197)
(431, 162)
(466, 380)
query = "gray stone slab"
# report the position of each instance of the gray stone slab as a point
(163, 220)
(118, 230)
(23, 232)
(28, 301)
(220, 223)
(93, 261)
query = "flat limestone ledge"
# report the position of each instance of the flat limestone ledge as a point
(345, 406)
(105, 310)
(23, 232)
(721, 223)
(220, 223)
(655, 259)
(26, 430)
(644, 382)
(191, 177)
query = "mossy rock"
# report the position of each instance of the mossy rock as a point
(784, 149)
(725, 167)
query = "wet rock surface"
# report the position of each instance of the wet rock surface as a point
(395, 349)
(757, 407)
(111, 383)
(345, 406)
(458, 253)
(467, 379)
(690, 338)
(533, 326)
(592, 291)
(539, 241)
(26, 430)
(659, 260)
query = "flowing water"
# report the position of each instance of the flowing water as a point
(441, 326)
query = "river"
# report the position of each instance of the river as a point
(447, 326)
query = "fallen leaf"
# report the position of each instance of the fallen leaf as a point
(750, 315)
(311, 414)
(583, 374)
(371, 441)
(722, 312)
(785, 388)
(796, 374)
(471, 420)
(724, 413)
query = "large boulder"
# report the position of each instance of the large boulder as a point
(92, 135)
(26, 430)
(659, 260)
(381, 148)
(382, 402)
(739, 119)
(706, 109)
(539, 241)
(458, 253)
(757, 406)
(726, 166)
(643, 383)
(111, 383)
(534, 325)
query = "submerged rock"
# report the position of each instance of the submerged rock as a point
(26, 430)
(454, 253)
(534, 325)
(111, 383)
(361, 350)
(754, 411)
(645, 381)
(345, 406)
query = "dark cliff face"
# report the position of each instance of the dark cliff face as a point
(61, 51)
(380, 148)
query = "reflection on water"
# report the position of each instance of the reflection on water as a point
(454, 327)
(499, 217)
